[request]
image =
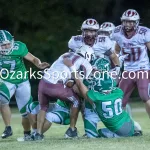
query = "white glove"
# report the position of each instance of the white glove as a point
(117, 69)
(122, 58)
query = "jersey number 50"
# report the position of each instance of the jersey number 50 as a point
(110, 110)
(134, 54)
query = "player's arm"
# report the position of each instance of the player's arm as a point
(117, 48)
(81, 87)
(114, 59)
(36, 61)
(148, 45)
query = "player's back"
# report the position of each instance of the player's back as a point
(59, 71)
(109, 108)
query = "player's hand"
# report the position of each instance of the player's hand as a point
(67, 62)
(43, 65)
(76, 89)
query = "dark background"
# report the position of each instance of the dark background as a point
(47, 25)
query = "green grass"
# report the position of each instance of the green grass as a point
(54, 138)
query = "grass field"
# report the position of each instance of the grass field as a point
(54, 137)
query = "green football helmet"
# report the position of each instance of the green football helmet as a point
(102, 83)
(101, 64)
(6, 38)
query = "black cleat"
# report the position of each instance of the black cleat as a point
(138, 133)
(71, 134)
(38, 137)
(7, 132)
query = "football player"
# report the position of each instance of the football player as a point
(58, 113)
(14, 79)
(53, 85)
(106, 29)
(133, 40)
(106, 100)
(102, 45)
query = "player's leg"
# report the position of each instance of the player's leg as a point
(56, 116)
(127, 129)
(127, 85)
(128, 110)
(90, 123)
(32, 110)
(6, 92)
(48, 91)
(106, 133)
(22, 99)
(43, 99)
(137, 129)
(143, 84)
(74, 110)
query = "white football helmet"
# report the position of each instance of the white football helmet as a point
(90, 29)
(131, 15)
(90, 24)
(106, 28)
(87, 52)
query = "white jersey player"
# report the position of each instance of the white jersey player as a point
(135, 47)
(54, 87)
(102, 45)
(106, 29)
(58, 71)
(133, 40)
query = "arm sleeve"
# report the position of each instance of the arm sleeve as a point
(74, 43)
(108, 46)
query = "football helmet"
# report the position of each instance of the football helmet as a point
(6, 38)
(87, 52)
(131, 16)
(90, 29)
(101, 64)
(102, 83)
(106, 28)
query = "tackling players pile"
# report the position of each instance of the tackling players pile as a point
(80, 80)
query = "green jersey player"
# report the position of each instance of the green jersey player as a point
(91, 118)
(106, 101)
(58, 112)
(14, 78)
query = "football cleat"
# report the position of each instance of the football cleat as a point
(71, 134)
(38, 137)
(138, 133)
(7, 132)
(27, 137)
